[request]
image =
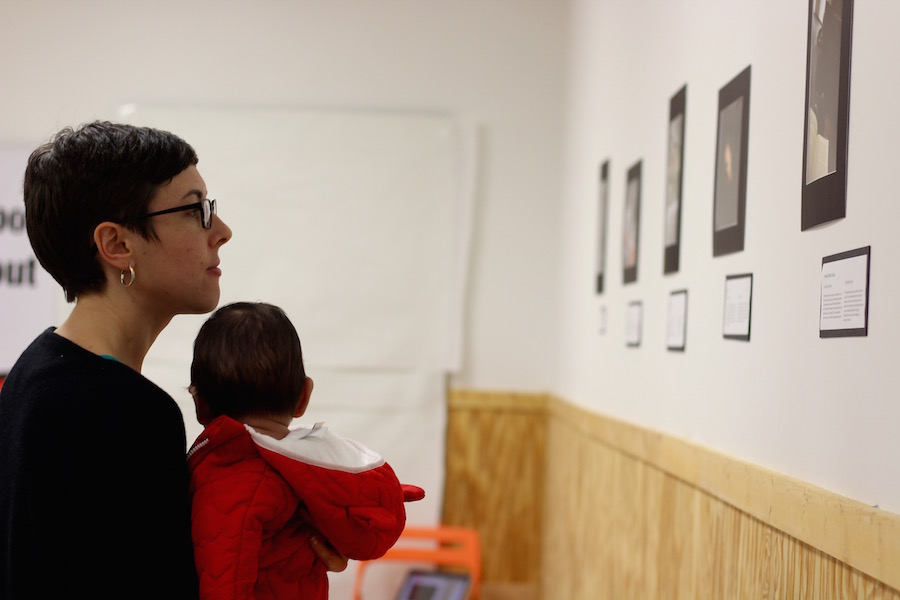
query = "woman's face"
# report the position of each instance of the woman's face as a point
(179, 273)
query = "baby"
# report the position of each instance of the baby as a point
(262, 492)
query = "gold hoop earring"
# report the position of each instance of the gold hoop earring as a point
(122, 276)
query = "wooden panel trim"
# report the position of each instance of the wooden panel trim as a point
(861, 536)
(499, 400)
(495, 461)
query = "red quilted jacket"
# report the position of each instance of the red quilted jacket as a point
(256, 500)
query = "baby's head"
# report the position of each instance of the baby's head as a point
(247, 362)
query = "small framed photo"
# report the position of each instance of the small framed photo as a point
(602, 201)
(844, 300)
(676, 331)
(633, 323)
(826, 126)
(674, 176)
(730, 199)
(738, 304)
(631, 224)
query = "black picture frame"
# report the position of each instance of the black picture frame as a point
(631, 220)
(827, 112)
(730, 191)
(674, 181)
(602, 212)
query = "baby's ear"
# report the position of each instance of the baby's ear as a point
(303, 401)
(204, 414)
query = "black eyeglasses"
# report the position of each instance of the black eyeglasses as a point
(206, 207)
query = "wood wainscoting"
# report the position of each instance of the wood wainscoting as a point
(581, 506)
(496, 451)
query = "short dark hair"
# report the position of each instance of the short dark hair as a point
(82, 177)
(248, 362)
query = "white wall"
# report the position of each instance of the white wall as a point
(497, 62)
(822, 410)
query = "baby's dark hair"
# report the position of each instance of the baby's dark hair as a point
(248, 362)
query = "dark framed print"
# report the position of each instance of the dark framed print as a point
(826, 126)
(730, 199)
(602, 202)
(631, 224)
(674, 175)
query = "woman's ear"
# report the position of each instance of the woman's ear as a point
(112, 241)
(303, 401)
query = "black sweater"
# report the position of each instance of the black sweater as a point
(93, 480)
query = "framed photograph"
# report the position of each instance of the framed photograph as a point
(434, 585)
(630, 224)
(674, 174)
(634, 317)
(826, 126)
(730, 200)
(603, 201)
(738, 302)
(844, 300)
(676, 331)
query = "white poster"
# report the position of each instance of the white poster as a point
(356, 223)
(26, 290)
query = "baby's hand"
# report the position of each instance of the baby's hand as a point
(334, 560)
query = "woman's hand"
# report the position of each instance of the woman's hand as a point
(334, 560)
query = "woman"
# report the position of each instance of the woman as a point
(93, 479)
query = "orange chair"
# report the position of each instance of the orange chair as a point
(452, 547)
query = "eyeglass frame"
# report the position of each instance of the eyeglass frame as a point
(185, 207)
